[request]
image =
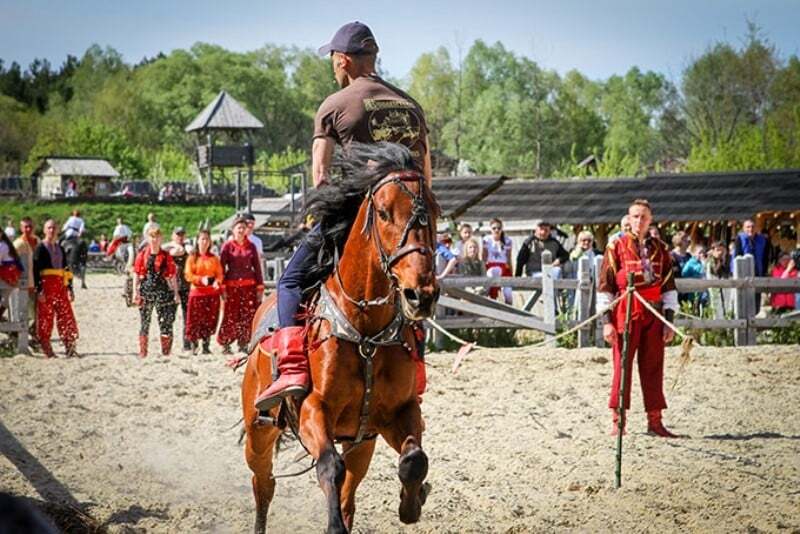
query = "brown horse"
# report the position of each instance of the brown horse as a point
(363, 378)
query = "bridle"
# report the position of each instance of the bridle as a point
(420, 216)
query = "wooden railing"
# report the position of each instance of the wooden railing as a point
(477, 311)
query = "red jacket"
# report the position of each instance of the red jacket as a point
(167, 270)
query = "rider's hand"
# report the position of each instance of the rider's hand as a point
(137, 299)
(609, 333)
(669, 334)
(40, 297)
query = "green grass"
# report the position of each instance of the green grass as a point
(101, 217)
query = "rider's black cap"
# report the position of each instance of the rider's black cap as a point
(353, 38)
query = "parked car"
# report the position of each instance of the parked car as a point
(135, 188)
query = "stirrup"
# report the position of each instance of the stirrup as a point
(268, 403)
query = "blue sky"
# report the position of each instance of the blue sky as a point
(597, 38)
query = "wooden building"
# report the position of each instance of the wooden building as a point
(91, 176)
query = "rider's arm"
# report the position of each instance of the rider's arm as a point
(321, 157)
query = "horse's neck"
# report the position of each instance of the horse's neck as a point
(363, 279)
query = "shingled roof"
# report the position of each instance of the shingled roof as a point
(674, 197)
(456, 194)
(224, 113)
(73, 166)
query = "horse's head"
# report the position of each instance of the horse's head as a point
(401, 222)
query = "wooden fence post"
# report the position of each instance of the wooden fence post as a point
(750, 297)
(548, 291)
(583, 295)
(744, 300)
(598, 324)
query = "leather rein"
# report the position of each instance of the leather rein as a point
(419, 216)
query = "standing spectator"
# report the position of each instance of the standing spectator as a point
(584, 248)
(54, 293)
(154, 286)
(695, 268)
(254, 239)
(103, 243)
(149, 225)
(470, 262)
(9, 230)
(74, 227)
(497, 248)
(529, 259)
(446, 261)
(785, 268)
(177, 249)
(680, 255)
(10, 270)
(624, 227)
(465, 235)
(72, 189)
(204, 272)
(755, 244)
(717, 268)
(25, 244)
(243, 288)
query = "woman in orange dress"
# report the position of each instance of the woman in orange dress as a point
(204, 272)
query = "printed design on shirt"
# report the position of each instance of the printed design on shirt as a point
(395, 121)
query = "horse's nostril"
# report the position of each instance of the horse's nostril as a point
(411, 296)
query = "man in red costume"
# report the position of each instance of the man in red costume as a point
(54, 292)
(650, 262)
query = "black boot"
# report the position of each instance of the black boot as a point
(207, 346)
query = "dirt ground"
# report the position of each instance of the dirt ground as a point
(518, 441)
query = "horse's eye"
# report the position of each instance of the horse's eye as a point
(383, 214)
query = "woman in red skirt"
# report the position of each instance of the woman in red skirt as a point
(204, 272)
(243, 288)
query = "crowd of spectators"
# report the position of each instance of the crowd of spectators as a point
(492, 254)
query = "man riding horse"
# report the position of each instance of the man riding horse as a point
(366, 110)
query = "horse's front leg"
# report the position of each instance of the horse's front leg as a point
(405, 436)
(316, 433)
(357, 459)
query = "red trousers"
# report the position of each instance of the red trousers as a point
(646, 339)
(56, 306)
(241, 303)
(202, 316)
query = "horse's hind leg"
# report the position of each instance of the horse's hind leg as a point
(405, 436)
(259, 453)
(357, 459)
(330, 465)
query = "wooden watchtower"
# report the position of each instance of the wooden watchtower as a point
(224, 132)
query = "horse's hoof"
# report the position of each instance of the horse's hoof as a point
(413, 467)
(412, 471)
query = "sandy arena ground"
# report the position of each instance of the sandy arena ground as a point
(518, 442)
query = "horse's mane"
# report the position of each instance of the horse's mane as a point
(335, 205)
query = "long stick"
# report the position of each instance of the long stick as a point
(623, 381)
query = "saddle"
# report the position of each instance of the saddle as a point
(326, 309)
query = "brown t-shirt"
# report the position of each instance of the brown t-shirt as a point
(370, 110)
